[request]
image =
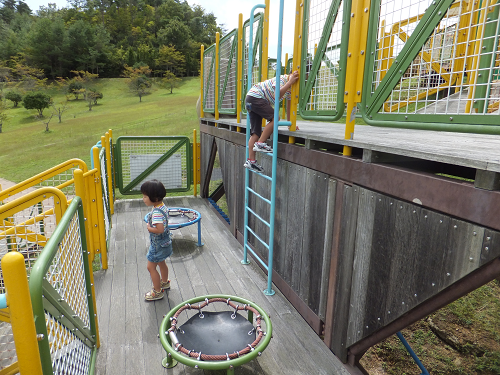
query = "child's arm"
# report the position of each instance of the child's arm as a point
(157, 229)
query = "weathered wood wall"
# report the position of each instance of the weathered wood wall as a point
(388, 256)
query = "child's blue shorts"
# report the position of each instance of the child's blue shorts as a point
(158, 253)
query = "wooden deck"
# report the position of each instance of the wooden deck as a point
(129, 326)
(480, 151)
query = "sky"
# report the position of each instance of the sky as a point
(227, 14)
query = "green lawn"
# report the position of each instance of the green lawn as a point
(26, 149)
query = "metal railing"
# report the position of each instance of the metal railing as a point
(62, 295)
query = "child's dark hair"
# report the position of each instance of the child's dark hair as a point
(154, 189)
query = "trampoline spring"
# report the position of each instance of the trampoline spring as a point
(251, 347)
(238, 354)
(227, 302)
(206, 300)
(201, 315)
(188, 305)
(189, 352)
(227, 357)
(251, 331)
(233, 316)
(244, 307)
(199, 357)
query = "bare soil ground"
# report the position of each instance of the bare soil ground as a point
(462, 338)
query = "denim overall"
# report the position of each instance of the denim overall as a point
(161, 244)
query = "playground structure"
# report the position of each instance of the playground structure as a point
(367, 238)
(367, 200)
(420, 64)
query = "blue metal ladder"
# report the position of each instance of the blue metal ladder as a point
(272, 202)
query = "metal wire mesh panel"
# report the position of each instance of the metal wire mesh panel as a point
(432, 60)
(66, 271)
(208, 79)
(166, 159)
(61, 293)
(324, 59)
(8, 354)
(227, 75)
(69, 353)
(105, 192)
(256, 54)
(27, 232)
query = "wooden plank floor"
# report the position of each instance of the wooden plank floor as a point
(481, 151)
(129, 326)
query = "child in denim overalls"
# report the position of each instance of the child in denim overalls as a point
(160, 248)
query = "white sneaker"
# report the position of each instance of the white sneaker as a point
(263, 147)
(253, 166)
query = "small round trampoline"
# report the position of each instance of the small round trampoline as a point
(220, 340)
(179, 217)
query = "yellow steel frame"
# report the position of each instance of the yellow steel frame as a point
(297, 55)
(44, 176)
(449, 79)
(478, 44)
(21, 316)
(355, 64)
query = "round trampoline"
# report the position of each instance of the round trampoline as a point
(220, 340)
(179, 217)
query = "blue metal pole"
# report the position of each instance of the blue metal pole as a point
(247, 172)
(269, 291)
(412, 353)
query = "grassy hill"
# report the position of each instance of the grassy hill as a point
(27, 149)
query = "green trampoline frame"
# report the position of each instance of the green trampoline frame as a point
(173, 356)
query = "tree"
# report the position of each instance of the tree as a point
(170, 80)
(75, 88)
(59, 110)
(38, 101)
(138, 80)
(92, 96)
(169, 59)
(15, 97)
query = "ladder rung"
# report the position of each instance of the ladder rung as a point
(258, 195)
(256, 236)
(258, 257)
(284, 123)
(258, 217)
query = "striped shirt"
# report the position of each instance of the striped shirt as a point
(265, 90)
(157, 217)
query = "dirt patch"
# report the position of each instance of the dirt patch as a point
(461, 339)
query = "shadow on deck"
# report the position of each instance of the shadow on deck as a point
(129, 326)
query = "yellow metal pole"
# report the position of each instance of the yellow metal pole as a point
(264, 63)
(311, 107)
(297, 53)
(80, 191)
(352, 94)
(478, 43)
(100, 212)
(216, 75)
(21, 313)
(202, 51)
(239, 70)
(195, 165)
(110, 177)
(283, 114)
(265, 43)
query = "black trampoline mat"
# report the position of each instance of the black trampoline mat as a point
(216, 334)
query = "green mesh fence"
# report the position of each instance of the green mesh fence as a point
(167, 159)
